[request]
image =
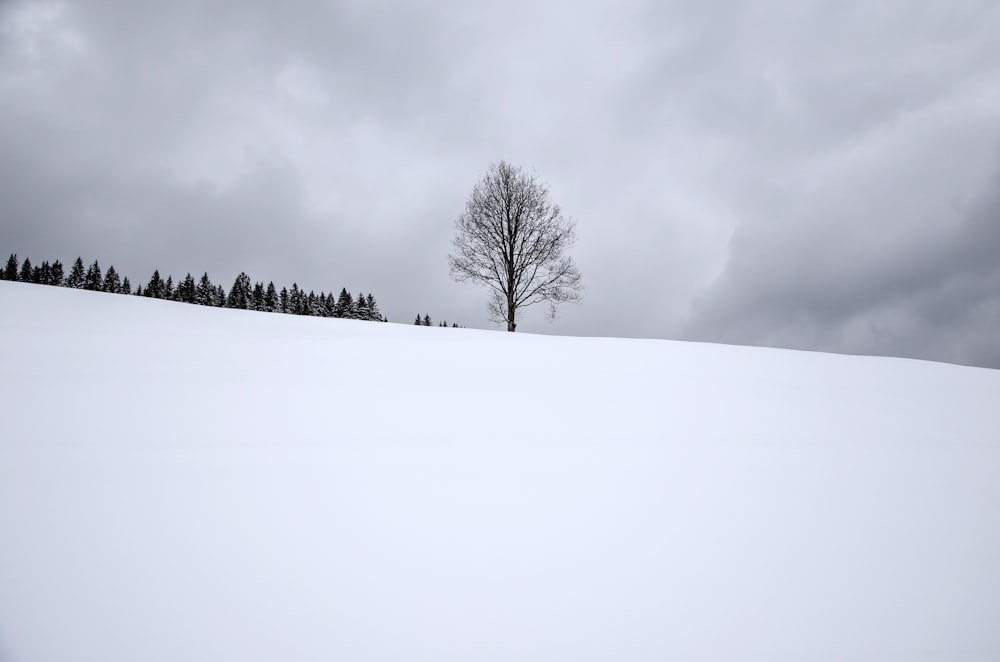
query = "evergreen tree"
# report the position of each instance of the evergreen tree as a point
(312, 305)
(301, 302)
(240, 294)
(112, 283)
(417, 321)
(36, 274)
(204, 293)
(374, 313)
(154, 288)
(186, 290)
(345, 305)
(25, 276)
(270, 298)
(283, 300)
(93, 280)
(139, 292)
(126, 286)
(56, 277)
(10, 272)
(427, 320)
(295, 300)
(257, 300)
(220, 297)
(45, 274)
(361, 307)
(168, 288)
(76, 275)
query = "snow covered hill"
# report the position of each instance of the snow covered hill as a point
(186, 483)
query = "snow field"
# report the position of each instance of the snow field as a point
(179, 482)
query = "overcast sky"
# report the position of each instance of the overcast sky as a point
(816, 175)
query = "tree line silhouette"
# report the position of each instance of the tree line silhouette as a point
(244, 294)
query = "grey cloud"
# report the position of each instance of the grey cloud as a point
(930, 292)
(806, 174)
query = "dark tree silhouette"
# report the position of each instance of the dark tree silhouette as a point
(94, 280)
(186, 290)
(204, 292)
(56, 277)
(112, 283)
(154, 288)
(513, 239)
(26, 271)
(283, 300)
(374, 313)
(241, 292)
(345, 305)
(76, 276)
(10, 272)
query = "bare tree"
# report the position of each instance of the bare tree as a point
(512, 239)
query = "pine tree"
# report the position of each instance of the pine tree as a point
(25, 276)
(93, 280)
(270, 298)
(220, 297)
(56, 277)
(112, 283)
(168, 288)
(300, 302)
(186, 290)
(283, 300)
(76, 275)
(427, 320)
(374, 313)
(45, 273)
(139, 292)
(126, 286)
(239, 295)
(36, 274)
(257, 300)
(204, 294)
(345, 305)
(417, 322)
(154, 288)
(10, 272)
(295, 300)
(361, 307)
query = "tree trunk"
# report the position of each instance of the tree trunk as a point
(510, 315)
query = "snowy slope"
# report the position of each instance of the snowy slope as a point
(184, 483)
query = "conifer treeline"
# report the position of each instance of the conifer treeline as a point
(244, 294)
(426, 321)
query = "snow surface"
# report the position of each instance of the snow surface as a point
(186, 483)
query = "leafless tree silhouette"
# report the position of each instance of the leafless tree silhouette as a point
(513, 239)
